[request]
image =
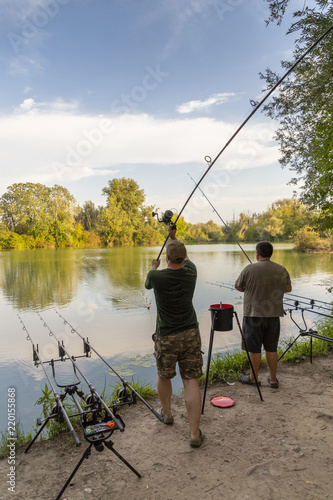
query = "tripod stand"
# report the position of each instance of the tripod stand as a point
(97, 436)
(221, 316)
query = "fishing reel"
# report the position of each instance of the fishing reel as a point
(166, 218)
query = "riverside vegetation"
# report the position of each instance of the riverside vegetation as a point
(36, 216)
(223, 368)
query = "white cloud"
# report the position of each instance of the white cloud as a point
(197, 105)
(81, 152)
(59, 105)
(53, 145)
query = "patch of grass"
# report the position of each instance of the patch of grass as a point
(228, 367)
(20, 438)
(145, 390)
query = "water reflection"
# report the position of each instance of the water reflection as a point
(35, 279)
(101, 293)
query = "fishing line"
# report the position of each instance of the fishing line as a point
(255, 109)
(227, 227)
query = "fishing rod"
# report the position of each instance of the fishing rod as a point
(256, 106)
(227, 227)
(124, 382)
(94, 393)
(306, 298)
(224, 285)
(296, 306)
(309, 302)
(59, 406)
(288, 302)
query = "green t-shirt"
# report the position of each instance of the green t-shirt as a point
(173, 289)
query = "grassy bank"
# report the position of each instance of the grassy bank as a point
(223, 368)
(228, 367)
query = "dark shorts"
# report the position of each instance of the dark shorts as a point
(182, 347)
(260, 332)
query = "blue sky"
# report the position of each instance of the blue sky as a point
(91, 90)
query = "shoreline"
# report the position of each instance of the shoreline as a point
(278, 448)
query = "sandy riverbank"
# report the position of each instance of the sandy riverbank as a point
(278, 449)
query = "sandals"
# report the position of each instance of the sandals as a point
(274, 385)
(245, 379)
(165, 420)
(196, 443)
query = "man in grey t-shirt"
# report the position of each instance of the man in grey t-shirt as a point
(263, 284)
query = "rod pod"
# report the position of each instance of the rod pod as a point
(56, 395)
(91, 387)
(124, 382)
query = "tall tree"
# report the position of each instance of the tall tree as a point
(122, 218)
(126, 192)
(304, 105)
(25, 208)
(88, 215)
(39, 211)
(63, 208)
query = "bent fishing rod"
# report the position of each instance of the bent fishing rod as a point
(255, 109)
(37, 360)
(226, 226)
(92, 389)
(124, 382)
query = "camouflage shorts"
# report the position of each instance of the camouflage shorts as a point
(182, 347)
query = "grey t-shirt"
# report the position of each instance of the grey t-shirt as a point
(264, 284)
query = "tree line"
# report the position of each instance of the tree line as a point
(33, 215)
(36, 216)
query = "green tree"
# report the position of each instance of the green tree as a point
(122, 220)
(25, 209)
(39, 211)
(304, 106)
(126, 192)
(88, 215)
(63, 209)
(111, 222)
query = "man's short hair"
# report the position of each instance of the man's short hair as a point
(264, 249)
(176, 251)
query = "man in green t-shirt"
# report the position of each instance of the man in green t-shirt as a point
(263, 284)
(177, 336)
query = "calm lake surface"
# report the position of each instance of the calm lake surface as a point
(101, 293)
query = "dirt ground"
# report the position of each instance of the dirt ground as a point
(279, 448)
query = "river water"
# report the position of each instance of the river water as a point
(101, 294)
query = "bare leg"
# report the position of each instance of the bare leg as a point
(272, 361)
(193, 406)
(164, 389)
(255, 358)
